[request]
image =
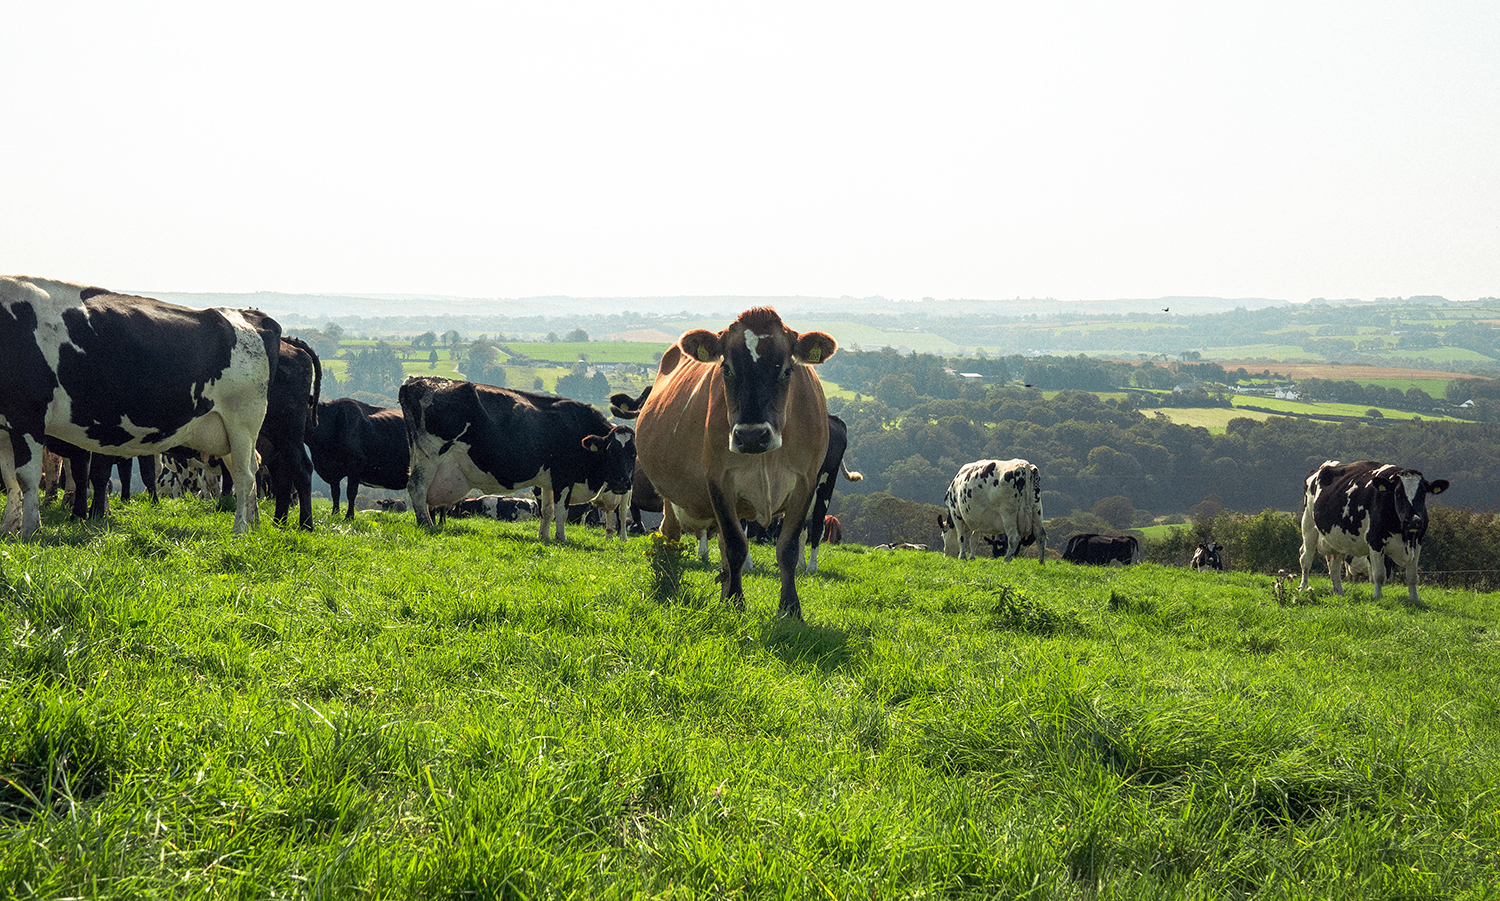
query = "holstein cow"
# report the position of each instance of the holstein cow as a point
(833, 464)
(990, 497)
(359, 442)
(129, 376)
(497, 506)
(1102, 550)
(463, 435)
(291, 410)
(1366, 510)
(736, 427)
(1208, 556)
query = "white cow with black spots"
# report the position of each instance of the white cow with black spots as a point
(992, 497)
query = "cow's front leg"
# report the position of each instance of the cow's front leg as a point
(733, 548)
(789, 551)
(22, 508)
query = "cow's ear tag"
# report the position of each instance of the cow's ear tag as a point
(1382, 488)
(815, 355)
(703, 353)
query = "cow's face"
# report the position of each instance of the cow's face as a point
(1409, 491)
(756, 356)
(614, 458)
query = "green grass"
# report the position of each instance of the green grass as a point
(374, 710)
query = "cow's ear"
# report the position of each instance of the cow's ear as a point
(702, 344)
(814, 347)
(1437, 487)
(595, 443)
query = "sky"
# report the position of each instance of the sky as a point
(1090, 150)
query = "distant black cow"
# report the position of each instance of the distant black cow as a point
(1366, 509)
(833, 464)
(390, 505)
(126, 375)
(1102, 550)
(1208, 556)
(362, 443)
(291, 410)
(464, 435)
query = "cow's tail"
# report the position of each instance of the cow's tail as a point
(850, 474)
(312, 402)
(623, 406)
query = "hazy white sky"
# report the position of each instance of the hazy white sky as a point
(981, 150)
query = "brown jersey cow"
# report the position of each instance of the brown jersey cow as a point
(736, 427)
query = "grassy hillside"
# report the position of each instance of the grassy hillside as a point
(373, 710)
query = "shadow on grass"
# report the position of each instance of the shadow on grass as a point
(800, 645)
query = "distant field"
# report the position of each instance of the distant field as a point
(851, 335)
(1275, 352)
(1296, 406)
(1215, 419)
(642, 352)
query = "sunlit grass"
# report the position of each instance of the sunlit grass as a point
(375, 710)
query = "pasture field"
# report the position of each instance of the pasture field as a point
(375, 711)
(643, 353)
(1297, 406)
(1215, 419)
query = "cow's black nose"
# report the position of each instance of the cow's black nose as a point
(752, 439)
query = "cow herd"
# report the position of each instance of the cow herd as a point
(734, 431)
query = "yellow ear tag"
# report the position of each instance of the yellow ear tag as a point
(815, 355)
(703, 353)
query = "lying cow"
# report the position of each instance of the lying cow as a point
(990, 497)
(1366, 509)
(129, 376)
(736, 427)
(1101, 550)
(1208, 556)
(464, 436)
(497, 506)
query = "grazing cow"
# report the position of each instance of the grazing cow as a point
(833, 533)
(989, 497)
(497, 506)
(130, 376)
(1369, 510)
(1208, 556)
(833, 464)
(1101, 550)
(291, 409)
(359, 442)
(390, 505)
(736, 427)
(464, 435)
(997, 543)
(901, 547)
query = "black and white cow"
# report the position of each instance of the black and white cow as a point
(833, 464)
(1208, 556)
(991, 497)
(1366, 509)
(1102, 550)
(463, 435)
(129, 376)
(362, 443)
(497, 506)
